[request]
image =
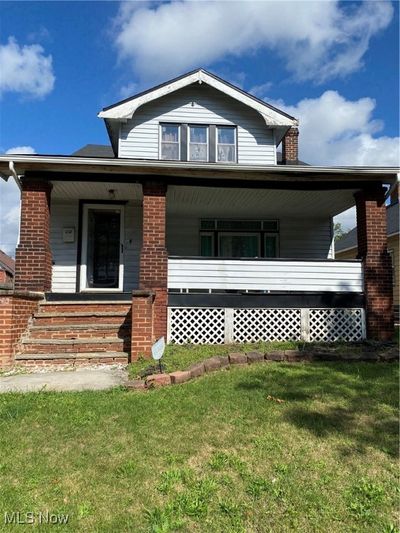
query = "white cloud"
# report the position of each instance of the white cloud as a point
(21, 150)
(260, 90)
(25, 69)
(10, 207)
(128, 90)
(317, 40)
(337, 131)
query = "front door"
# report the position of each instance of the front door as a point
(102, 267)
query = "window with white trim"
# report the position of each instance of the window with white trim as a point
(226, 144)
(239, 238)
(198, 143)
(170, 141)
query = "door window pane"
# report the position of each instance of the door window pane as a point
(169, 141)
(198, 143)
(103, 248)
(239, 245)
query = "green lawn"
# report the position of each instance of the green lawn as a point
(180, 357)
(214, 455)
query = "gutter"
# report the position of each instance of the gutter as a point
(156, 164)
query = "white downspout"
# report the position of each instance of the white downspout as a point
(392, 187)
(14, 174)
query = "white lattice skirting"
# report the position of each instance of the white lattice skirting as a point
(207, 325)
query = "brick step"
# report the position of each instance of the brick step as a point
(80, 317)
(72, 358)
(67, 307)
(43, 346)
(78, 331)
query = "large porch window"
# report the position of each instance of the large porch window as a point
(239, 238)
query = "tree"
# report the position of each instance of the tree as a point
(338, 231)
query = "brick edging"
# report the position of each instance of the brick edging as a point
(226, 361)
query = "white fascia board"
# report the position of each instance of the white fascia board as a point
(127, 109)
(105, 164)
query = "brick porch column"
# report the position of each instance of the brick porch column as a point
(33, 263)
(372, 249)
(154, 257)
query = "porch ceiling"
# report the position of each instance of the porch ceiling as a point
(76, 190)
(237, 202)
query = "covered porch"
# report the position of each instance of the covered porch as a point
(211, 255)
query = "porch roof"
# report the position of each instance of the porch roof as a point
(90, 168)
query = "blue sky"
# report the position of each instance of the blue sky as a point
(334, 65)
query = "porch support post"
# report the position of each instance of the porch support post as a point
(154, 257)
(33, 262)
(372, 249)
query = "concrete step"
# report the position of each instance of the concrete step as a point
(80, 317)
(78, 331)
(89, 345)
(85, 306)
(73, 357)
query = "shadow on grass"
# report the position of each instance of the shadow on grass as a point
(356, 402)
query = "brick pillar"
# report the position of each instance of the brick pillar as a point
(33, 263)
(372, 249)
(290, 147)
(142, 323)
(154, 257)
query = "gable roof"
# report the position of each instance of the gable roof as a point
(105, 150)
(95, 150)
(125, 109)
(349, 241)
(7, 263)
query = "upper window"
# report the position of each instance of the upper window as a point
(170, 141)
(198, 143)
(226, 144)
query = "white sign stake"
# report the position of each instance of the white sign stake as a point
(157, 351)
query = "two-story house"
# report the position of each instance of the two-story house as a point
(190, 226)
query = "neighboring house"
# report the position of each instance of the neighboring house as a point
(7, 269)
(346, 247)
(190, 226)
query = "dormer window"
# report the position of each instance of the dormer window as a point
(226, 144)
(203, 143)
(198, 143)
(170, 141)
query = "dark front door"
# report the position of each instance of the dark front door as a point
(102, 248)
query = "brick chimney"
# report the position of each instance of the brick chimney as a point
(290, 147)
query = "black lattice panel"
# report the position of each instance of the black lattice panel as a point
(253, 325)
(330, 325)
(196, 325)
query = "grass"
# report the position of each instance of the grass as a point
(219, 454)
(180, 357)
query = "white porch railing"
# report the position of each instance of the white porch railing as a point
(188, 273)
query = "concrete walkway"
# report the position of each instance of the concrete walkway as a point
(74, 380)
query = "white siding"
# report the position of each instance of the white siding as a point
(65, 214)
(225, 274)
(299, 238)
(139, 137)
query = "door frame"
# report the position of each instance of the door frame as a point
(84, 241)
